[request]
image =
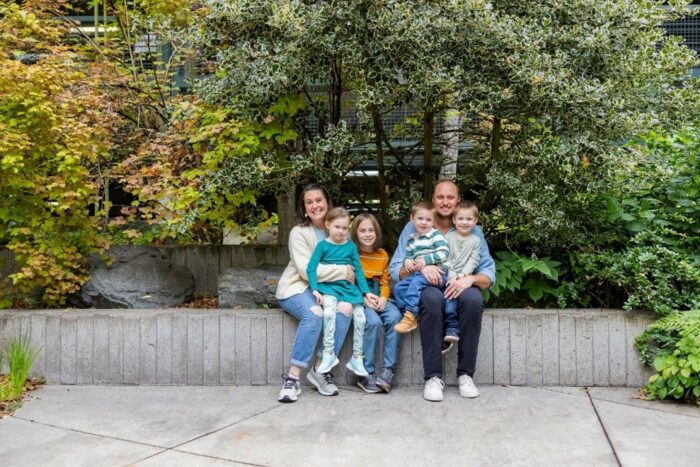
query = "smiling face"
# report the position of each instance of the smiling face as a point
(338, 229)
(316, 207)
(366, 235)
(445, 198)
(423, 220)
(464, 220)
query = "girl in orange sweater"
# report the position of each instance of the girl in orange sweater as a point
(367, 235)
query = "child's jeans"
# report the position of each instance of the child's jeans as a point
(451, 319)
(330, 308)
(358, 331)
(407, 292)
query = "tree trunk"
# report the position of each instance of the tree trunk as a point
(286, 214)
(428, 127)
(383, 189)
(488, 202)
(453, 122)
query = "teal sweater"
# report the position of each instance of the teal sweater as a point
(345, 254)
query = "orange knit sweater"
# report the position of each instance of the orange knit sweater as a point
(376, 267)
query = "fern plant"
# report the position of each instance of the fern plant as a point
(672, 346)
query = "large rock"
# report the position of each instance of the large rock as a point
(139, 277)
(249, 287)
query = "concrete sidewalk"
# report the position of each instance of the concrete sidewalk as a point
(192, 426)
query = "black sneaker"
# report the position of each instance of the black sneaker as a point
(446, 347)
(368, 384)
(385, 380)
(290, 389)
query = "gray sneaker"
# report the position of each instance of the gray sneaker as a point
(385, 380)
(368, 384)
(290, 389)
(323, 382)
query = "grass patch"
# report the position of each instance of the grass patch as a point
(20, 356)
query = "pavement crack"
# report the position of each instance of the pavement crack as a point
(175, 448)
(145, 458)
(602, 425)
(75, 430)
(206, 456)
(227, 426)
(652, 409)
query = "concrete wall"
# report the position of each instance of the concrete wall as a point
(205, 262)
(244, 347)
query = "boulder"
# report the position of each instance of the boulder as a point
(139, 277)
(249, 287)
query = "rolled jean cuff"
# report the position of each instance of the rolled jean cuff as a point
(299, 363)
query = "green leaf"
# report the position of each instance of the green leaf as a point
(634, 227)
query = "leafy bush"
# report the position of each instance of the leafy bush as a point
(205, 171)
(536, 276)
(672, 346)
(654, 278)
(55, 129)
(645, 253)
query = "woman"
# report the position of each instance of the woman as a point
(296, 298)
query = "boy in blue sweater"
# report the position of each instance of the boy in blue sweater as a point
(427, 246)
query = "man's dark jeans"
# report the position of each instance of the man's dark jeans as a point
(470, 305)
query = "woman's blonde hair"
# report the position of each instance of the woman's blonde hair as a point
(359, 219)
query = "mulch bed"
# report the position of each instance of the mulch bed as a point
(202, 302)
(7, 408)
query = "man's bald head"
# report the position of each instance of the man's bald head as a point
(445, 198)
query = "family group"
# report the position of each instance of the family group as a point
(338, 274)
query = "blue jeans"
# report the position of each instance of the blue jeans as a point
(387, 318)
(451, 319)
(407, 292)
(310, 326)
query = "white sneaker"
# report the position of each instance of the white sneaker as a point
(467, 388)
(432, 391)
(290, 389)
(328, 361)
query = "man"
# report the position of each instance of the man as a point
(466, 290)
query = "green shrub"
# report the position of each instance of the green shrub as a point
(516, 274)
(653, 277)
(672, 346)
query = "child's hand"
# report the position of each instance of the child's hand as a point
(350, 274)
(318, 297)
(420, 264)
(382, 304)
(410, 265)
(372, 299)
(369, 302)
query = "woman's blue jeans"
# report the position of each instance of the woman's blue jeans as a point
(310, 327)
(375, 321)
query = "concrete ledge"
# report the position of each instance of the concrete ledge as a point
(251, 347)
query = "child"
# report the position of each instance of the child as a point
(367, 235)
(336, 249)
(465, 251)
(425, 247)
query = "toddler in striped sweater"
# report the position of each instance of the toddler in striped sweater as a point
(427, 246)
